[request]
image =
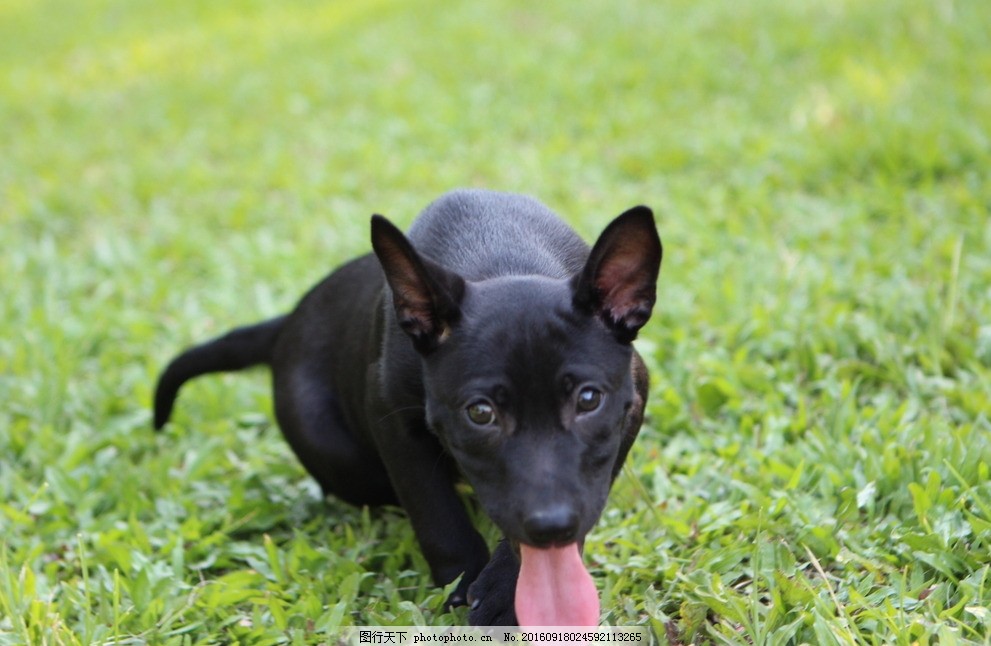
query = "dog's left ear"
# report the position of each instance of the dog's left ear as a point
(619, 281)
(426, 296)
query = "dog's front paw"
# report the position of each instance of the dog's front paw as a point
(459, 597)
(492, 596)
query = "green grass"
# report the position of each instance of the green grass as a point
(815, 466)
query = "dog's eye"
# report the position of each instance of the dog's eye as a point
(588, 400)
(481, 413)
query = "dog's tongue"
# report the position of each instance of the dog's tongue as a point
(555, 589)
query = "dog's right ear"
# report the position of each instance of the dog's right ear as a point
(426, 296)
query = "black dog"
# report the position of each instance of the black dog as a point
(489, 344)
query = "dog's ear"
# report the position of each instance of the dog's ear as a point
(619, 281)
(426, 296)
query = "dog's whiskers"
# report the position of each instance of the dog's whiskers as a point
(401, 410)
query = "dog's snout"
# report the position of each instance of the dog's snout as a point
(557, 524)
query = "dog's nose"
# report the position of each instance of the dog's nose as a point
(557, 524)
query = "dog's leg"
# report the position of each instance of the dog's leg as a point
(493, 593)
(423, 478)
(310, 418)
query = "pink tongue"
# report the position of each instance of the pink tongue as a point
(555, 589)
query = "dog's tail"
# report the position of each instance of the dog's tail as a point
(240, 348)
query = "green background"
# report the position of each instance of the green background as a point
(815, 464)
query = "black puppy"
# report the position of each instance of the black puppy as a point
(489, 344)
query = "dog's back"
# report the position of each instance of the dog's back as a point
(483, 234)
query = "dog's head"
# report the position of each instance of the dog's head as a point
(528, 379)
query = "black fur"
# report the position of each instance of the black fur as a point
(491, 310)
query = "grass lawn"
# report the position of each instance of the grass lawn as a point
(815, 464)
